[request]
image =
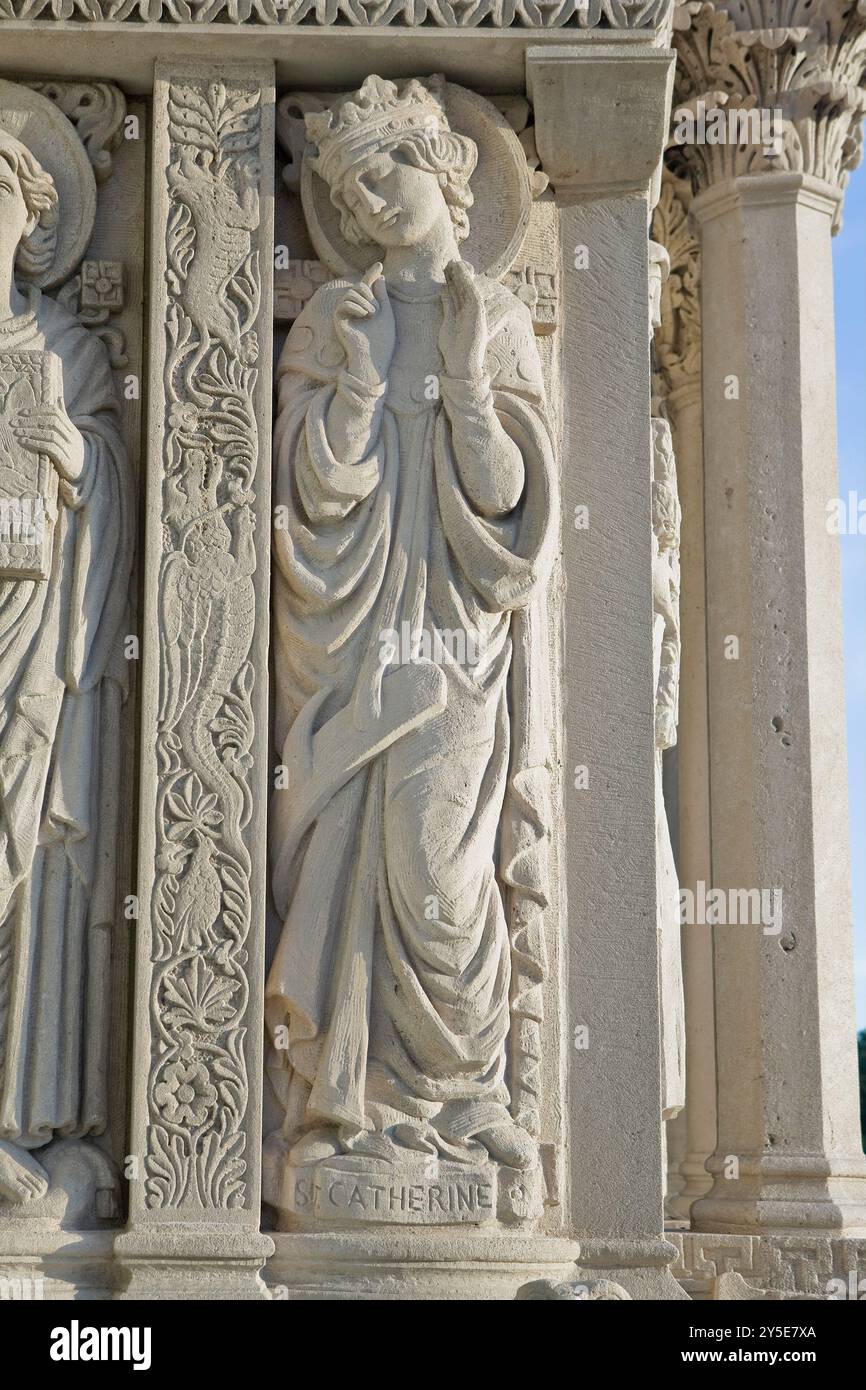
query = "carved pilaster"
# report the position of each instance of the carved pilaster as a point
(196, 1114)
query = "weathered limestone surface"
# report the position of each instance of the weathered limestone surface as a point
(677, 353)
(613, 984)
(775, 711)
(436, 707)
(67, 528)
(194, 1206)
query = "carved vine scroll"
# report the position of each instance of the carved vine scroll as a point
(203, 901)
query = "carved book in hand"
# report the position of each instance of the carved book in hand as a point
(28, 481)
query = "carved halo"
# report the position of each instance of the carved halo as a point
(500, 184)
(52, 139)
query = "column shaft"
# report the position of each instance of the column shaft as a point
(785, 1038)
(615, 1180)
(693, 800)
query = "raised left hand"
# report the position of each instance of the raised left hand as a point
(49, 430)
(463, 335)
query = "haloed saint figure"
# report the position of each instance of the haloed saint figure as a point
(64, 563)
(414, 466)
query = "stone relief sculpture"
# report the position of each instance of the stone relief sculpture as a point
(199, 1076)
(666, 519)
(499, 14)
(666, 649)
(64, 570)
(416, 522)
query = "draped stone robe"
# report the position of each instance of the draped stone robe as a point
(417, 792)
(61, 675)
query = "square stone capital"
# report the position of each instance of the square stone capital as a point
(601, 114)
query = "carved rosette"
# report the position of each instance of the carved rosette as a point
(804, 58)
(202, 901)
(459, 14)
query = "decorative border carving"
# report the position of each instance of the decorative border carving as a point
(457, 14)
(96, 109)
(804, 1266)
(677, 341)
(203, 908)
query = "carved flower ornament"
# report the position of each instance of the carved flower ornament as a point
(186, 1095)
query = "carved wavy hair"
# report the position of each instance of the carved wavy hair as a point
(37, 248)
(452, 158)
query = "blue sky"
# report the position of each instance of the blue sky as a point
(849, 270)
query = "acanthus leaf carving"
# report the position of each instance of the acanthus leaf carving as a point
(806, 63)
(97, 110)
(677, 339)
(458, 14)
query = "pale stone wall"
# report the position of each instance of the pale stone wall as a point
(370, 727)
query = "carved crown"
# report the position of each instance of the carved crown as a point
(381, 112)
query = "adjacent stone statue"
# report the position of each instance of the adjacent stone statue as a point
(416, 521)
(666, 665)
(65, 556)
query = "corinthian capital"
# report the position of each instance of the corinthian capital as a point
(768, 85)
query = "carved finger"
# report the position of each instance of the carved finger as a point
(356, 302)
(355, 311)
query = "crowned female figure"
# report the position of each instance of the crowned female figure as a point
(61, 667)
(416, 522)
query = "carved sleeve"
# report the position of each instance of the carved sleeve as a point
(506, 551)
(328, 483)
(98, 512)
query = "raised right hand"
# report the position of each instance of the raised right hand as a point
(364, 324)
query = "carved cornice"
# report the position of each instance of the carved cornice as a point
(677, 340)
(805, 59)
(457, 14)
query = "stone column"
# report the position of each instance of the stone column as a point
(677, 346)
(788, 1158)
(600, 124)
(197, 1075)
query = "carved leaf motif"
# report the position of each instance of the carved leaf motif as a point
(201, 901)
(468, 14)
(199, 999)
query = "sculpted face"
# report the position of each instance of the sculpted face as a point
(393, 203)
(15, 218)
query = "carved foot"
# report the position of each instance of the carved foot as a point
(509, 1144)
(313, 1146)
(22, 1179)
